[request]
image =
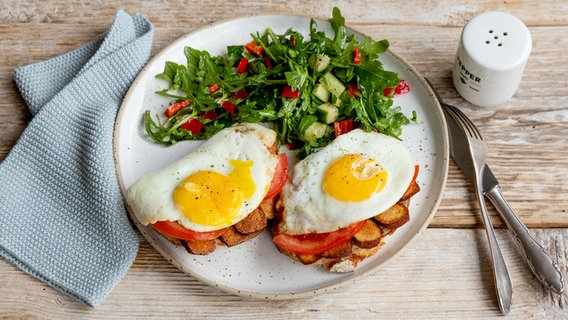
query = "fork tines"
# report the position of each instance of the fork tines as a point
(467, 124)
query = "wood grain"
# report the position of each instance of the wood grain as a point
(454, 281)
(439, 275)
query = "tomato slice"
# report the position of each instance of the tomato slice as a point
(410, 189)
(279, 178)
(316, 243)
(176, 230)
(416, 170)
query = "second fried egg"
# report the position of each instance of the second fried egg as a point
(357, 176)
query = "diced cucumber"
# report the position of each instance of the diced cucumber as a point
(320, 92)
(335, 101)
(315, 131)
(327, 113)
(312, 129)
(319, 62)
(332, 84)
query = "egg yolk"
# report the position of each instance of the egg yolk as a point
(211, 198)
(354, 177)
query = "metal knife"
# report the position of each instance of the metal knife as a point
(539, 261)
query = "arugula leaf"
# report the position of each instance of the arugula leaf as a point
(297, 76)
(336, 21)
(170, 70)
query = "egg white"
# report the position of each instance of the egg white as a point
(151, 197)
(307, 208)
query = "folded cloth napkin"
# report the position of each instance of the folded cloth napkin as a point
(62, 219)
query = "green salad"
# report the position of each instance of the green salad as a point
(310, 89)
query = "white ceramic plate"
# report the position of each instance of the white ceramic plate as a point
(255, 268)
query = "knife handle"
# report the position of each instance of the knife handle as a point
(539, 261)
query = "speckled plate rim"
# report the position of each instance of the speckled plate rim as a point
(432, 187)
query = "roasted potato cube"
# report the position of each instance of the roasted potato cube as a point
(340, 251)
(394, 217)
(369, 236)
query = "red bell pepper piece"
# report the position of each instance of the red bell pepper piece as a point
(241, 94)
(289, 93)
(268, 63)
(353, 90)
(193, 125)
(356, 55)
(254, 48)
(229, 106)
(401, 88)
(293, 41)
(209, 115)
(214, 87)
(342, 127)
(174, 108)
(242, 66)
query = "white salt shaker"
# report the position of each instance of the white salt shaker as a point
(492, 54)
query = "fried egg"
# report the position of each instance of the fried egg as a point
(357, 176)
(216, 185)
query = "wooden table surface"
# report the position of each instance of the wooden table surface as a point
(444, 273)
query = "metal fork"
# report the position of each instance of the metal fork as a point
(478, 150)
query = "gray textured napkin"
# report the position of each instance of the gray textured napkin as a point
(62, 219)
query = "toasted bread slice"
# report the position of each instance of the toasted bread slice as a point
(350, 263)
(199, 247)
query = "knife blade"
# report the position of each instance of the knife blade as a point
(539, 261)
